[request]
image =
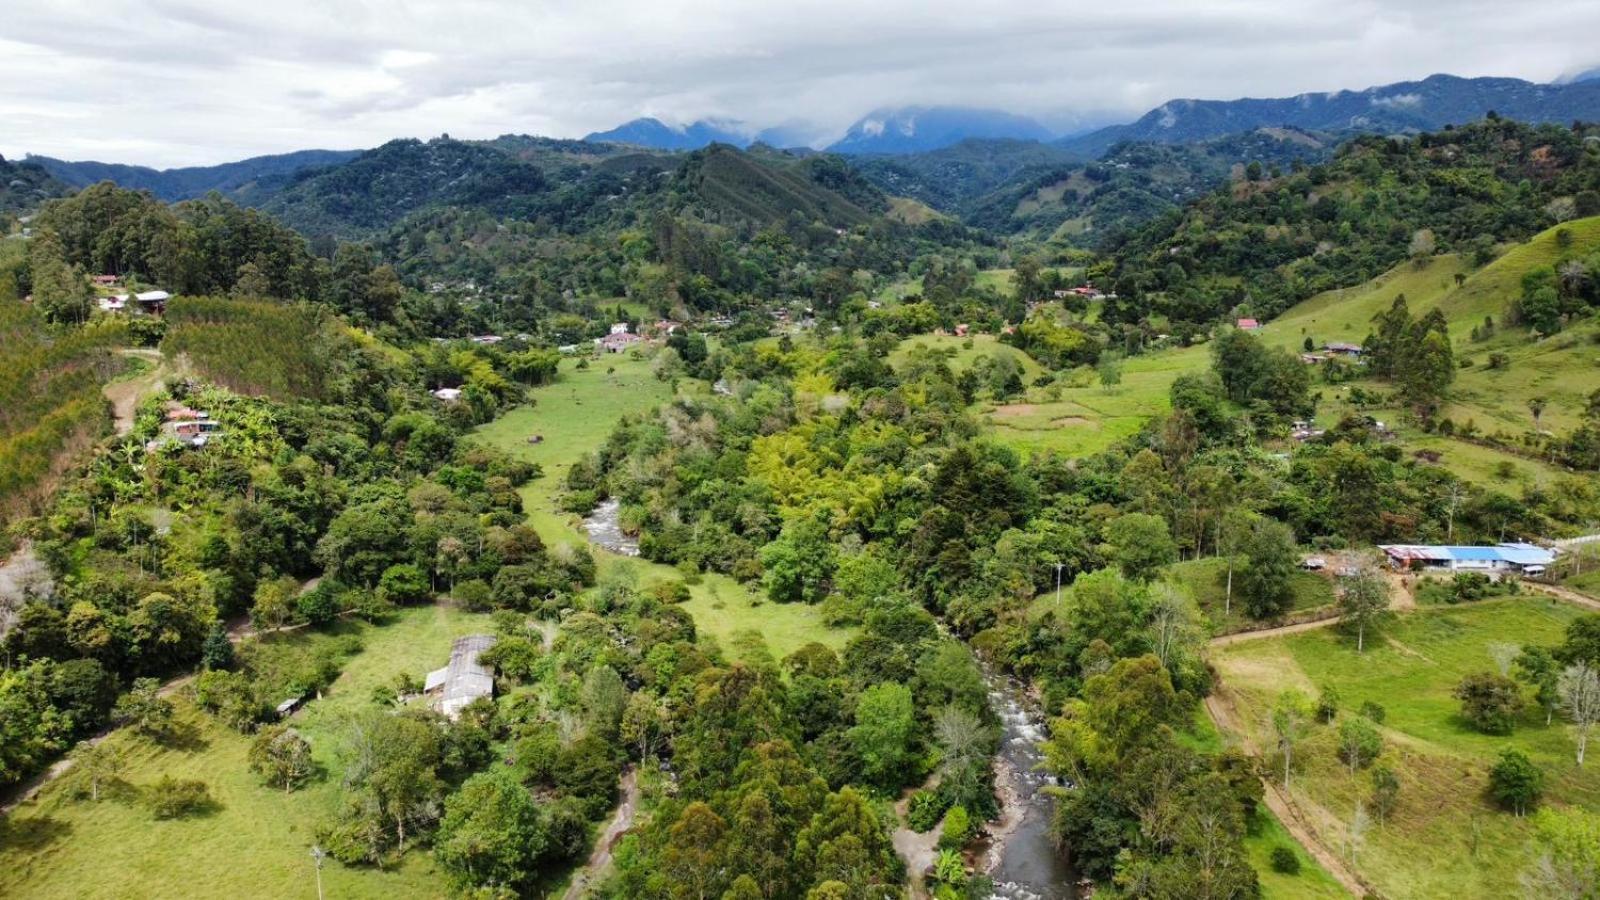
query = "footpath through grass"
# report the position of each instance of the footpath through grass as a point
(256, 841)
(1445, 838)
(574, 416)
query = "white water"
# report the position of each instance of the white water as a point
(1025, 862)
(603, 525)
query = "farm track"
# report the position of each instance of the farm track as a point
(1224, 713)
(599, 865)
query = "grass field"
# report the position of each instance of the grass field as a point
(1206, 581)
(1445, 838)
(575, 415)
(1562, 369)
(256, 842)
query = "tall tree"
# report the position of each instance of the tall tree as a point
(1363, 601)
(1579, 688)
(1270, 561)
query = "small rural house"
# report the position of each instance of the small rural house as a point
(153, 302)
(448, 395)
(1510, 558)
(464, 679)
(1247, 324)
(617, 341)
(1340, 348)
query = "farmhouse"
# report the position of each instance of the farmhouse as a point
(1340, 348)
(617, 341)
(1247, 324)
(464, 679)
(1510, 558)
(149, 301)
(448, 395)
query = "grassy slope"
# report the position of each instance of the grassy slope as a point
(575, 415)
(1563, 369)
(256, 843)
(1426, 850)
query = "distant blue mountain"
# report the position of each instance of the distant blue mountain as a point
(251, 178)
(915, 129)
(1404, 108)
(658, 135)
(1585, 75)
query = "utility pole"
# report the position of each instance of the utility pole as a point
(318, 854)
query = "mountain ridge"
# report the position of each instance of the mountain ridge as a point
(189, 182)
(1405, 107)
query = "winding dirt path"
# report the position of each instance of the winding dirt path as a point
(27, 790)
(599, 864)
(1220, 706)
(1562, 593)
(126, 394)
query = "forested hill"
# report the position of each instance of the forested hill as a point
(1402, 108)
(1258, 245)
(1091, 204)
(23, 186)
(570, 185)
(248, 178)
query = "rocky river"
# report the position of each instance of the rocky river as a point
(603, 525)
(1023, 859)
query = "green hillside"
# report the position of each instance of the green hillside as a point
(726, 184)
(1263, 245)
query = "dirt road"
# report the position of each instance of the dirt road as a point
(126, 394)
(599, 864)
(1220, 706)
(27, 790)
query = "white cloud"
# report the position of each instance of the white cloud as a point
(176, 82)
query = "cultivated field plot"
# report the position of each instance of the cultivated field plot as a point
(1445, 838)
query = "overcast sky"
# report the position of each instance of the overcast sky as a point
(186, 82)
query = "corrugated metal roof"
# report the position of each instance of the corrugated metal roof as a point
(465, 678)
(1516, 554)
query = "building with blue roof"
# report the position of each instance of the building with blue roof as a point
(1506, 558)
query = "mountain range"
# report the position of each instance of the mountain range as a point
(1400, 108)
(996, 170)
(173, 185)
(1406, 107)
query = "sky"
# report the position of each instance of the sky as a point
(196, 82)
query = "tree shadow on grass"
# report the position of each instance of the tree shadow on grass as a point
(32, 834)
(183, 736)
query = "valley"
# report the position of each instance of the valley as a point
(947, 506)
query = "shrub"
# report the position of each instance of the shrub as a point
(1468, 586)
(175, 798)
(474, 595)
(1515, 782)
(1373, 711)
(1285, 861)
(320, 605)
(957, 828)
(924, 811)
(1489, 702)
(404, 583)
(1328, 705)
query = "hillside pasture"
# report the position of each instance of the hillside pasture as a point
(256, 840)
(1445, 837)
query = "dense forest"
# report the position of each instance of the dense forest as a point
(1264, 243)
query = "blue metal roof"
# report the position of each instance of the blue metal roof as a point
(1474, 554)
